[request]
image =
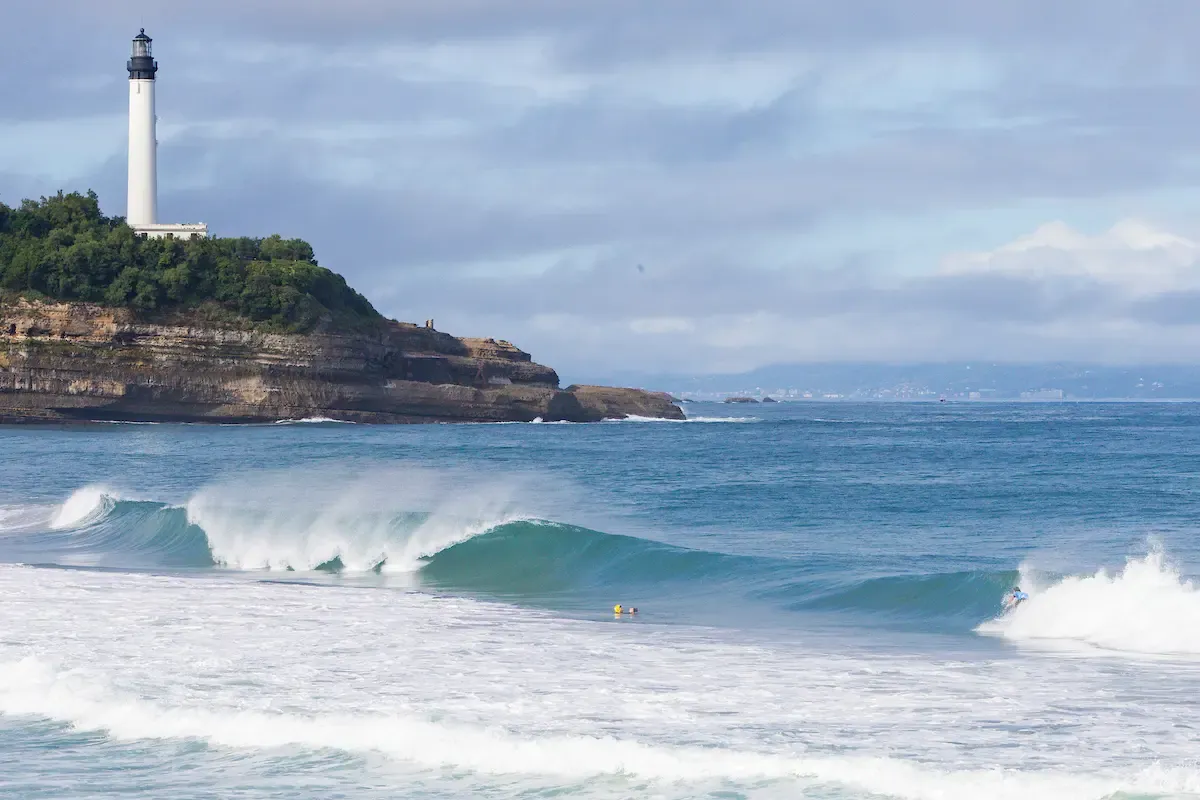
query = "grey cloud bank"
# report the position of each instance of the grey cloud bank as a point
(797, 180)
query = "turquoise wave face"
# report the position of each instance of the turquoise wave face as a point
(118, 534)
(535, 557)
(968, 596)
(549, 561)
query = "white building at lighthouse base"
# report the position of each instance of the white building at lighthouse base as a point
(172, 230)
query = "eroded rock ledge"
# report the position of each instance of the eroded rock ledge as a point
(64, 362)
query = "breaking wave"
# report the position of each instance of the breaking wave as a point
(469, 538)
(484, 546)
(1147, 607)
(478, 539)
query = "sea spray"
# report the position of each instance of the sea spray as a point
(82, 506)
(388, 518)
(1147, 607)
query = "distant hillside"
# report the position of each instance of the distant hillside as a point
(974, 381)
(63, 248)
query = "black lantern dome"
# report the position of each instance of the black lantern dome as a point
(142, 65)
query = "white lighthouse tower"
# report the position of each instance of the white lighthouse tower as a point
(143, 146)
(142, 211)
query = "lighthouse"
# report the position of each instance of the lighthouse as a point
(142, 210)
(143, 146)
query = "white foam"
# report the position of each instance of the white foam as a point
(635, 418)
(447, 687)
(1145, 608)
(84, 505)
(312, 421)
(31, 687)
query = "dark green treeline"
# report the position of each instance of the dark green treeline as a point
(63, 248)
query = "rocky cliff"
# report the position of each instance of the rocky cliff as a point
(79, 362)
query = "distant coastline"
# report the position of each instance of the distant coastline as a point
(932, 382)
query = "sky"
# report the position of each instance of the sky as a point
(698, 186)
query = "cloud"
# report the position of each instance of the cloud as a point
(1128, 294)
(789, 175)
(1132, 256)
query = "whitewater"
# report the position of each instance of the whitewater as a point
(319, 610)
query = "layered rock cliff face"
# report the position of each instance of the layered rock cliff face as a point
(78, 362)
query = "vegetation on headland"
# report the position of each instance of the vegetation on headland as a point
(64, 248)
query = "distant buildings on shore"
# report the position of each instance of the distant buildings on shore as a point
(896, 393)
(924, 382)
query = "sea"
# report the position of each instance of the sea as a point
(325, 610)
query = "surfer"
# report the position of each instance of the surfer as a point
(1015, 598)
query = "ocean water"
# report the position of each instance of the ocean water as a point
(326, 610)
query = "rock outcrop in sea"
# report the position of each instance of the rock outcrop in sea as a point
(64, 362)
